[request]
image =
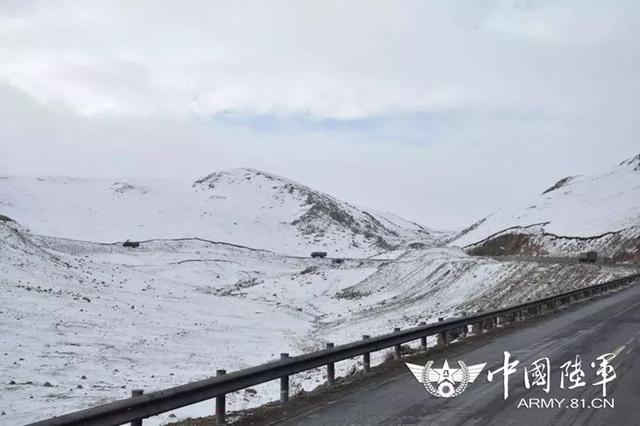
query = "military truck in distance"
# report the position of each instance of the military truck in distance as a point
(588, 257)
(131, 244)
(319, 254)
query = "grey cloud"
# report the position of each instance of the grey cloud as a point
(463, 106)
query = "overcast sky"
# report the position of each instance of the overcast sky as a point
(441, 112)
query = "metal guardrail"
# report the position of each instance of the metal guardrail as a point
(136, 408)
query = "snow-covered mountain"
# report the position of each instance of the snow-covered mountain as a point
(240, 206)
(201, 292)
(84, 323)
(578, 213)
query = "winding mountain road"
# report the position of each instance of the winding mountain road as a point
(606, 325)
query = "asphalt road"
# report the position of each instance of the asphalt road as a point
(607, 325)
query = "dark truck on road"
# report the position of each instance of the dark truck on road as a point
(319, 254)
(588, 257)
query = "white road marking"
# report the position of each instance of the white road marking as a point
(617, 351)
(629, 308)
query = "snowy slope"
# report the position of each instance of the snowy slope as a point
(408, 231)
(241, 206)
(577, 207)
(172, 311)
(177, 308)
(167, 313)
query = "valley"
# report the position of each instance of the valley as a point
(222, 278)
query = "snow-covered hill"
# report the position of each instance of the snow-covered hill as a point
(578, 213)
(84, 323)
(216, 282)
(241, 206)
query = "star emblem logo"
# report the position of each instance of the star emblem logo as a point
(450, 382)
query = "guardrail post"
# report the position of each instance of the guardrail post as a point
(476, 329)
(423, 339)
(397, 348)
(366, 357)
(331, 371)
(220, 403)
(442, 337)
(136, 392)
(284, 383)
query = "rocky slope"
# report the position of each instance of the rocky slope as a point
(579, 213)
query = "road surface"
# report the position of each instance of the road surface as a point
(609, 324)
